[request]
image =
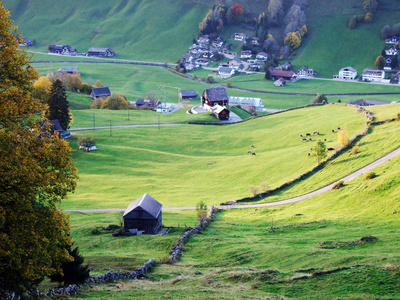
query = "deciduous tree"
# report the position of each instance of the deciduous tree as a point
(42, 88)
(293, 40)
(201, 212)
(380, 62)
(319, 151)
(36, 173)
(343, 137)
(370, 5)
(320, 99)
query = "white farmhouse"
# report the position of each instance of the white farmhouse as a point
(226, 71)
(348, 73)
(373, 75)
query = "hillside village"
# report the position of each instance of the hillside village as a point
(250, 161)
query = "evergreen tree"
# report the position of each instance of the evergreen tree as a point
(58, 105)
(268, 75)
(74, 272)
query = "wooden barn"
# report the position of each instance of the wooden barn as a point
(188, 94)
(101, 52)
(144, 214)
(101, 92)
(214, 96)
(221, 112)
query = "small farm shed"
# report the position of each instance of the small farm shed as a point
(144, 214)
(108, 52)
(69, 70)
(102, 92)
(188, 94)
(221, 112)
(214, 96)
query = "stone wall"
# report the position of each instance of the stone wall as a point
(177, 248)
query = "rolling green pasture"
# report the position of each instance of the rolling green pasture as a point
(237, 256)
(381, 140)
(103, 252)
(181, 165)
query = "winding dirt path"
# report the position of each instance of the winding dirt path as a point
(347, 178)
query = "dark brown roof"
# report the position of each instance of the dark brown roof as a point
(217, 94)
(147, 203)
(278, 73)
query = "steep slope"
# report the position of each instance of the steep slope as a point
(137, 29)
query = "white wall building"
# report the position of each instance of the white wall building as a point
(244, 101)
(347, 73)
(373, 75)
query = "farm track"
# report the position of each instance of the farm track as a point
(347, 178)
(162, 65)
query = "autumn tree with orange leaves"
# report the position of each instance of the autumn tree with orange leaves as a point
(36, 173)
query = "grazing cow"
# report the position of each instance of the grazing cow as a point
(315, 133)
(330, 149)
(310, 149)
(249, 152)
(324, 140)
(308, 134)
(333, 130)
(301, 135)
(338, 128)
(309, 154)
(253, 154)
(310, 139)
(304, 139)
(252, 146)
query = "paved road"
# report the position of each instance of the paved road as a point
(347, 178)
(125, 126)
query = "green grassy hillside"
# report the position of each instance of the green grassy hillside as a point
(237, 257)
(148, 30)
(135, 29)
(182, 165)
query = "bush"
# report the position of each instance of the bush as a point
(86, 88)
(210, 79)
(338, 185)
(97, 103)
(97, 230)
(368, 18)
(370, 175)
(355, 150)
(165, 259)
(115, 102)
(352, 23)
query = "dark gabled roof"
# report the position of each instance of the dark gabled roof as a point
(94, 49)
(188, 93)
(69, 69)
(139, 101)
(147, 203)
(56, 125)
(102, 91)
(226, 70)
(278, 73)
(217, 94)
